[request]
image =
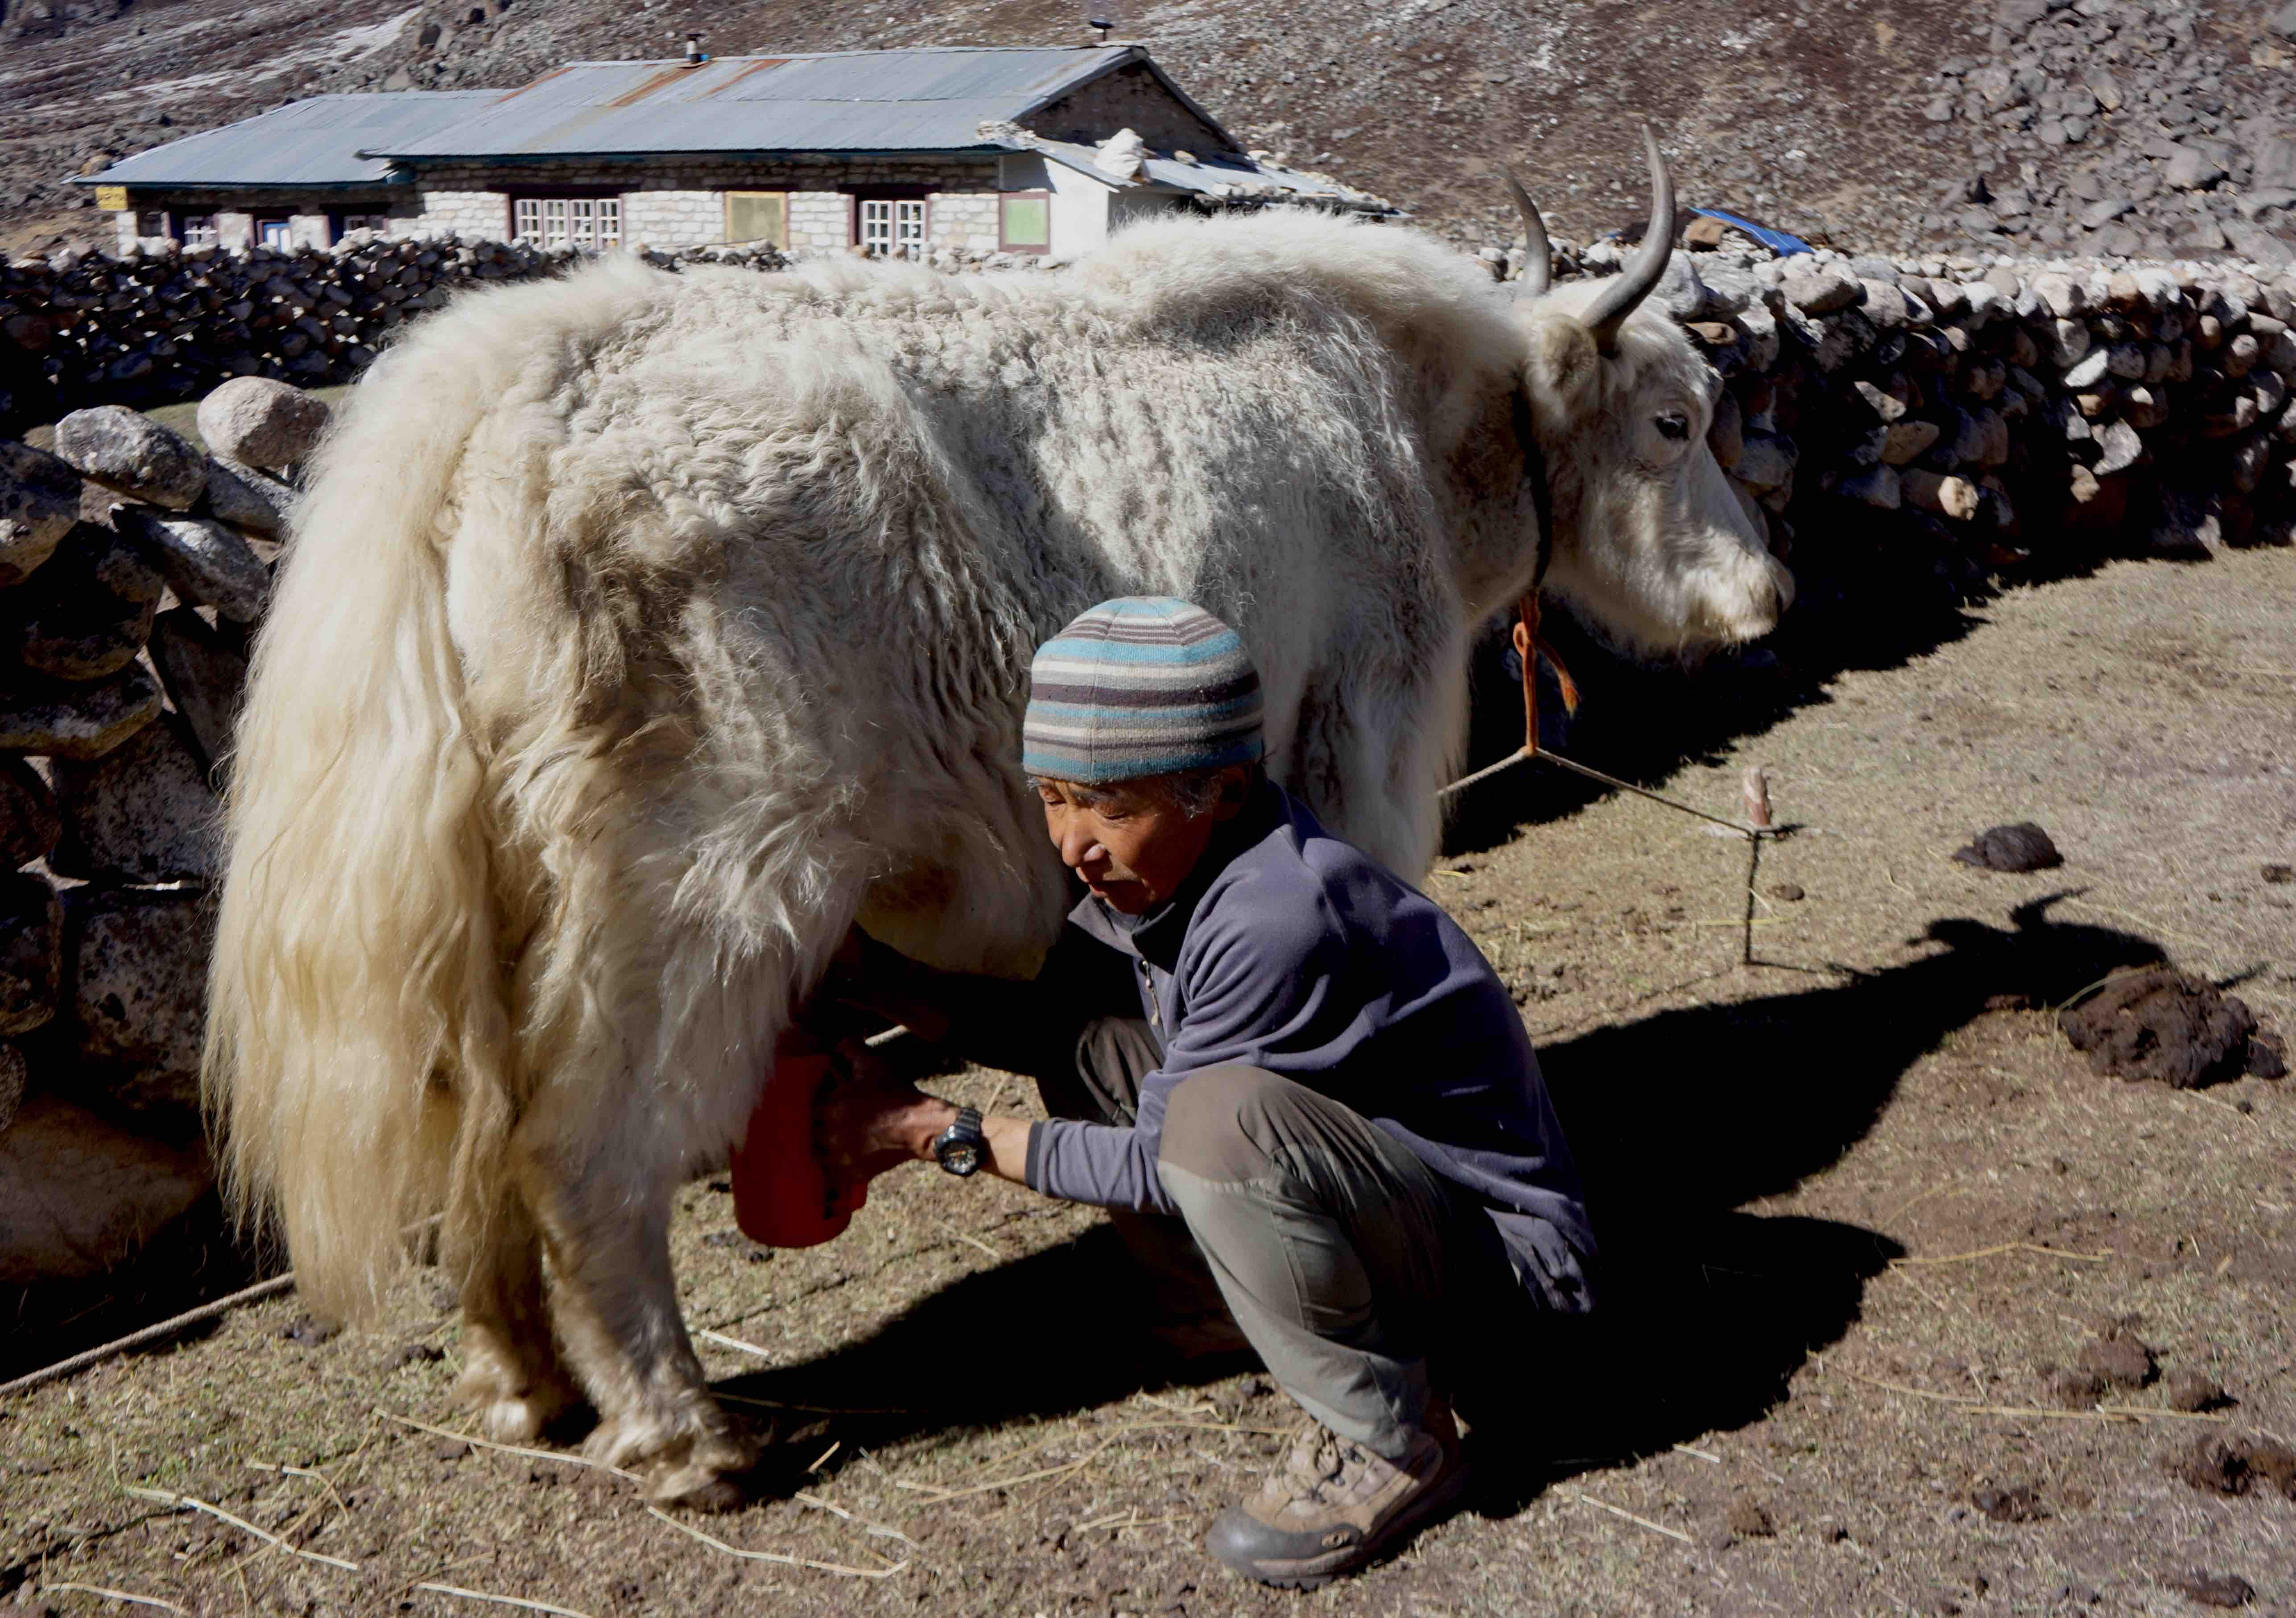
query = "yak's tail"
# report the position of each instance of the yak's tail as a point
(357, 1033)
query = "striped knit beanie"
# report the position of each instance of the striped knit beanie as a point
(1140, 685)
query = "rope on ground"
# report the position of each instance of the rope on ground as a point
(172, 1325)
(1522, 753)
(151, 1334)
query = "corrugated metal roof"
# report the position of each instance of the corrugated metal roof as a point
(866, 101)
(313, 142)
(1225, 176)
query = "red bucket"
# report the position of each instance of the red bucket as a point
(782, 1197)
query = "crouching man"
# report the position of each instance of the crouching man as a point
(1271, 1059)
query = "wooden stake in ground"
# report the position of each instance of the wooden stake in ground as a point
(1757, 817)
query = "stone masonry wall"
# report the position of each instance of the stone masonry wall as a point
(967, 223)
(150, 327)
(820, 221)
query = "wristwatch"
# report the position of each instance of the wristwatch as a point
(962, 1148)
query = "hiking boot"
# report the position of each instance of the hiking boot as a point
(1334, 1505)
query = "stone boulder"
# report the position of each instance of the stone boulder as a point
(204, 563)
(205, 672)
(142, 813)
(31, 953)
(137, 958)
(75, 721)
(248, 497)
(88, 612)
(78, 1195)
(262, 422)
(30, 825)
(39, 502)
(120, 449)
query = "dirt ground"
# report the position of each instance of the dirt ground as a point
(1862, 1205)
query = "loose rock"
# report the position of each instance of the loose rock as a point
(76, 721)
(204, 563)
(248, 498)
(90, 609)
(139, 979)
(205, 672)
(133, 454)
(143, 813)
(39, 502)
(82, 1193)
(262, 422)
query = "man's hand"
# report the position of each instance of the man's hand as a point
(866, 1121)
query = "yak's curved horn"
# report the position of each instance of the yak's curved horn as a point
(1538, 258)
(1609, 312)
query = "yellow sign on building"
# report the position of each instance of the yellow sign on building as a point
(112, 199)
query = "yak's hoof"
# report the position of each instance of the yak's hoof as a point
(513, 1409)
(692, 1460)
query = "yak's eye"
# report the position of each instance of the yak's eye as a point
(1673, 424)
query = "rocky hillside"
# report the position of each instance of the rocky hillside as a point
(2119, 126)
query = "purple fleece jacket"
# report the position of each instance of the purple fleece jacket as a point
(1288, 949)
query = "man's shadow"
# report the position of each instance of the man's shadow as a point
(1676, 1120)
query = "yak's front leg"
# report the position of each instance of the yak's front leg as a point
(603, 1210)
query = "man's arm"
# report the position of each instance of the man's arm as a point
(872, 1123)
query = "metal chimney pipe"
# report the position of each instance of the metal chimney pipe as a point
(693, 57)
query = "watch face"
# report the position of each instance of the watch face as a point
(959, 1157)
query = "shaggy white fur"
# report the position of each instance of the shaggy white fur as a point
(641, 631)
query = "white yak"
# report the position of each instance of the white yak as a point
(640, 632)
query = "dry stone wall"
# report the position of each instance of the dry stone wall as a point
(135, 564)
(1973, 417)
(1996, 414)
(151, 327)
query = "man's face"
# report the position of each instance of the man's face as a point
(1132, 843)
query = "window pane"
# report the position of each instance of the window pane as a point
(200, 230)
(910, 225)
(877, 225)
(757, 216)
(530, 220)
(609, 222)
(1028, 222)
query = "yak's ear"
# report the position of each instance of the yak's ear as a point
(1564, 365)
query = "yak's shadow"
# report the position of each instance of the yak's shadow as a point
(1676, 1120)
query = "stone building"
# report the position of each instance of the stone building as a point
(292, 177)
(898, 151)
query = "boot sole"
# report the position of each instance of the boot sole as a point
(1421, 1512)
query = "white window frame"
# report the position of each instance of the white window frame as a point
(379, 223)
(199, 230)
(890, 226)
(591, 222)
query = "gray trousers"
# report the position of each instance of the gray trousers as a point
(1348, 1262)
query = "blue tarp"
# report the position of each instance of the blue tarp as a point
(1777, 241)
